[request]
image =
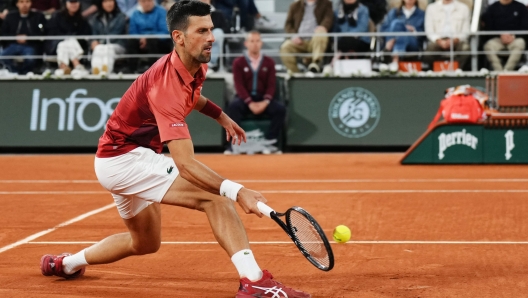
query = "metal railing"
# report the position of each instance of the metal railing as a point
(277, 37)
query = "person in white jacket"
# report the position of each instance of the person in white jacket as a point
(447, 26)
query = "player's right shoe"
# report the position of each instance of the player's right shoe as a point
(267, 287)
(52, 265)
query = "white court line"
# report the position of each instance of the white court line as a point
(513, 180)
(322, 191)
(375, 191)
(289, 242)
(58, 192)
(66, 223)
(48, 181)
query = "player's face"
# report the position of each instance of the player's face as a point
(198, 38)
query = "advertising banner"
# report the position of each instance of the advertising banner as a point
(60, 113)
(391, 111)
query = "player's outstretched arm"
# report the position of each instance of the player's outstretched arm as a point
(200, 175)
(234, 133)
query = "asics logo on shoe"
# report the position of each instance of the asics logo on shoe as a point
(277, 292)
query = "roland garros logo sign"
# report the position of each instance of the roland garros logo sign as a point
(354, 112)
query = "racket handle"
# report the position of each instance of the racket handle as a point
(264, 209)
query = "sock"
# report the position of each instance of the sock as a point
(246, 265)
(72, 264)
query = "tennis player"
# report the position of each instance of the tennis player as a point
(130, 165)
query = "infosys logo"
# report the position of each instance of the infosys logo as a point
(71, 111)
(456, 138)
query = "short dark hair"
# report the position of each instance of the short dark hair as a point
(100, 10)
(179, 13)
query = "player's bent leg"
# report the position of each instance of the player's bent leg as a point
(223, 217)
(230, 233)
(144, 237)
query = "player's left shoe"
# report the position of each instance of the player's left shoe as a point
(52, 265)
(267, 287)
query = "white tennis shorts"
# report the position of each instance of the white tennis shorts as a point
(136, 179)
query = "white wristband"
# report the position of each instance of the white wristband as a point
(230, 189)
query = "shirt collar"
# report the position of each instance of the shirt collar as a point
(254, 60)
(183, 72)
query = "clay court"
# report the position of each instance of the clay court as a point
(417, 231)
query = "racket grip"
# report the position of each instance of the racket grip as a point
(264, 209)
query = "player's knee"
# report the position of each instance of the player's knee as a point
(219, 203)
(146, 247)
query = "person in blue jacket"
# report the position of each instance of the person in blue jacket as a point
(406, 18)
(352, 17)
(149, 18)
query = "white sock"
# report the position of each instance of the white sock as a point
(72, 264)
(246, 265)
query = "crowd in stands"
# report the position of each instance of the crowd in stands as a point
(443, 26)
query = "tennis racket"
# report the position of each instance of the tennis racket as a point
(305, 232)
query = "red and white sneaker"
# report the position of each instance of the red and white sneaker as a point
(52, 265)
(267, 287)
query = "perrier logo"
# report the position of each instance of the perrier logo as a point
(169, 170)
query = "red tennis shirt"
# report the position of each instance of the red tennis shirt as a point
(153, 110)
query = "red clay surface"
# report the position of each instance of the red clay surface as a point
(380, 201)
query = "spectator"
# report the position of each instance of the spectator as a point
(127, 6)
(247, 11)
(149, 18)
(406, 18)
(446, 24)
(166, 4)
(107, 21)
(5, 7)
(505, 15)
(21, 23)
(68, 21)
(221, 26)
(352, 16)
(47, 7)
(307, 17)
(377, 9)
(254, 77)
(88, 8)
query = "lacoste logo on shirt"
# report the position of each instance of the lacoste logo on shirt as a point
(177, 124)
(169, 170)
(246, 252)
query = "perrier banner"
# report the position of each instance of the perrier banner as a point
(470, 144)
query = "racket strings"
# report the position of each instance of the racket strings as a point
(308, 237)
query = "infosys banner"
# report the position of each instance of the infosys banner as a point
(471, 144)
(74, 113)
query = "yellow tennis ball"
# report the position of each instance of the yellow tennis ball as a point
(341, 234)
